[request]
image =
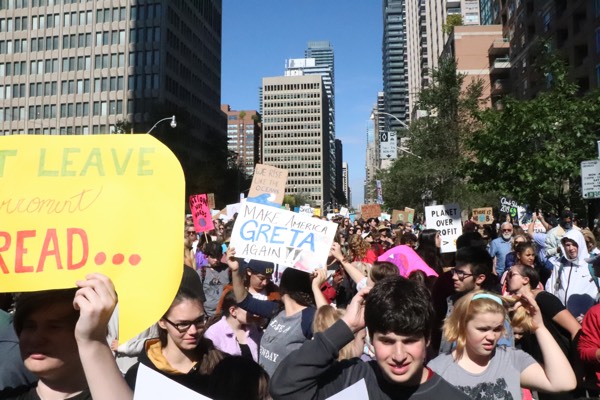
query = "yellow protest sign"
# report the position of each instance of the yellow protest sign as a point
(72, 205)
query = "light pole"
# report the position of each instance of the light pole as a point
(173, 123)
(375, 112)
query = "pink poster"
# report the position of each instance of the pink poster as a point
(407, 261)
(201, 212)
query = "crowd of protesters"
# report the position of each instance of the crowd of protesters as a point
(511, 314)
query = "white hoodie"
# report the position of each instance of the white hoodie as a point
(571, 280)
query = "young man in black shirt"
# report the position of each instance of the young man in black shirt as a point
(398, 315)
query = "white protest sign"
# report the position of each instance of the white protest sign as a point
(152, 385)
(357, 391)
(344, 212)
(306, 209)
(232, 209)
(445, 219)
(283, 237)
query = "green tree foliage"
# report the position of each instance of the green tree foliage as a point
(452, 21)
(437, 139)
(532, 149)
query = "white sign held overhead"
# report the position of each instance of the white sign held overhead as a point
(446, 219)
(590, 179)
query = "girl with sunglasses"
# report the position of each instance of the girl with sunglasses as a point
(180, 352)
(483, 370)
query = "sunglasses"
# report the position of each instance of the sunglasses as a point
(191, 233)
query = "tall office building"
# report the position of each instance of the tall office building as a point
(79, 67)
(346, 183)
(395, 59)
(243, 137)
(296, 134)
(322, 66)
(322, 52)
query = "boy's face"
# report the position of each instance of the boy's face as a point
(401, 358)
(47, 342)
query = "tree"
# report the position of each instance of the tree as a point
(532, 149)
(436, 141)
(452, 20)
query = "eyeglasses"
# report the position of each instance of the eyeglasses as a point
(461, 275)
(191, 233)
(507, 230)
(183, 326)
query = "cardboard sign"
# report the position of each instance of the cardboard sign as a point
(73, 205)
(201, 214)
(211, 201)
(446, 219)
(483, 215)
(370, 211)
(269, 180)
(282, 237)
(398, 216)
(410, 214)
(152, 385)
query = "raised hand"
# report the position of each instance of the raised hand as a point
(96, 299)
(355, 312)
(232, 262)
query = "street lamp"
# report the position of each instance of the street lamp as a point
(173, 123)
(375, 112)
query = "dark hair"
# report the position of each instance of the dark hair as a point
(238, 377)
(29, 302)
(470, 239)
(213, 249)
(297, 285)
(522, 247)
(477, 258)
(532, 274)
(401, 306)
(228, 301)
(408, 237)
(382, 270)
(427, 237)
(429, 252)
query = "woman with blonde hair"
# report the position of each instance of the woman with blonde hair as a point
(483, 370)
(327, 316)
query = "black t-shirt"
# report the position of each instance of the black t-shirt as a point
(30, 393)
(549, 305)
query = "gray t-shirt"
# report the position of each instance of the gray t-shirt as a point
(214, 282)
(282, 336)
(501, 380)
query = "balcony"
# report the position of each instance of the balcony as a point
(453, 4)
(500, 65)
(499, 47)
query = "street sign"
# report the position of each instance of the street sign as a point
(590, 179)
(388, 146)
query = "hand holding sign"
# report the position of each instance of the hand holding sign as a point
(76, 205)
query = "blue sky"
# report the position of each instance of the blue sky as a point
(258, 36)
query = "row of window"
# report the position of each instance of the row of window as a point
(79, 86)
(287, 104)
(303, 118)
(290, 127)
(292, 150)
(286, 96)
(294, 158)
(147, 35)
(292, 135)
(7, 25)
(292, 86)
(13, 46)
